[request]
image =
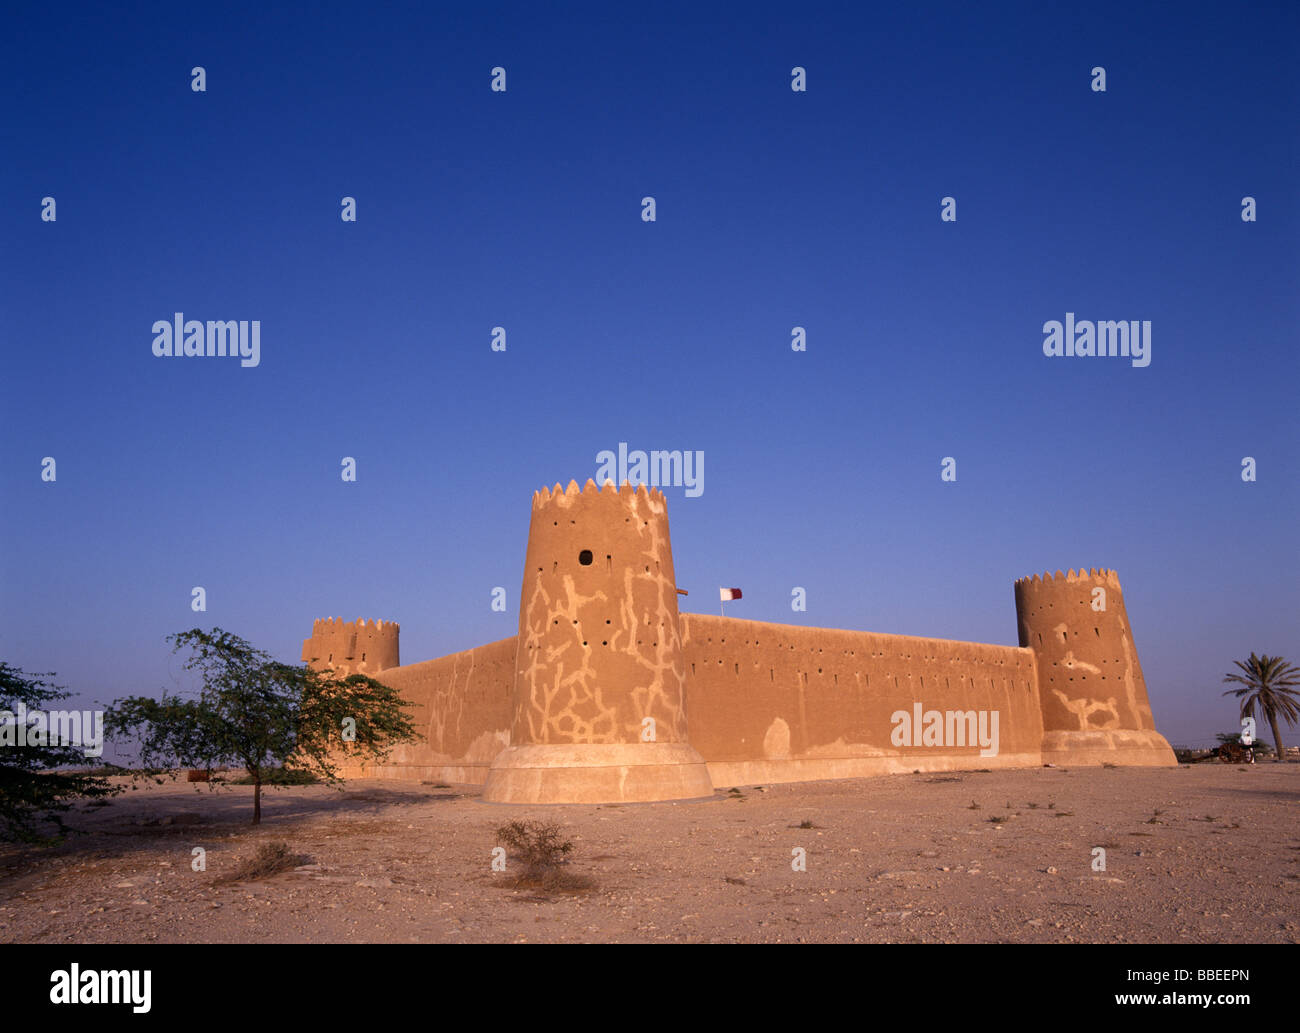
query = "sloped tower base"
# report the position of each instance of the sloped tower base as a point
(597, 773)
(1124, 748)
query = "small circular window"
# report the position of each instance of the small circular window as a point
(584, 557)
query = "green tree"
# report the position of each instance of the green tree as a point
(36, 784)
(263, 714)
(1268, 683)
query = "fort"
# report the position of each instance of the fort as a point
(609, 694)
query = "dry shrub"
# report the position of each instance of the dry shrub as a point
(542, 854)
(270, 859)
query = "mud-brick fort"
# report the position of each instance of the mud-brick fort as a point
(609, 694)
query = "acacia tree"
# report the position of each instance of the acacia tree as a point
(1269, 684)
(36, 783)
(263, 714)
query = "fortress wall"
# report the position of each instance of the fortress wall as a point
(463, 708)
(783, 703)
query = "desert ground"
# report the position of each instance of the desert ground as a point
(1206, 853)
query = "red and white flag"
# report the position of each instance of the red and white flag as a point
(726, 594)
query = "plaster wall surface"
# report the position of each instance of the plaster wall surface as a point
(462, 706)
(781, 703)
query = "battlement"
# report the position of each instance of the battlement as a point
(566, 496)
(1102, 574)
(324, 625)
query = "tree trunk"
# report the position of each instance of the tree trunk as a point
(1277, 736)
(257, 797)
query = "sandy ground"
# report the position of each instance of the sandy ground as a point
(1206, 853)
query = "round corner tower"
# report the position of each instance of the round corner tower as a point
(600, 687)
(352, 647)
(1091, 690)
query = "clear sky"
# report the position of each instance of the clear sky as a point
(522, 209)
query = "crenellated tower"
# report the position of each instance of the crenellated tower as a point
(352, 647)
(1091, 690)
(599, 700)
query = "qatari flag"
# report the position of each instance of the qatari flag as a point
(728, 593)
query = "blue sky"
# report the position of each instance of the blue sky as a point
(522, 209)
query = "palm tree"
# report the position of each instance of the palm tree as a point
(1268, 682)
